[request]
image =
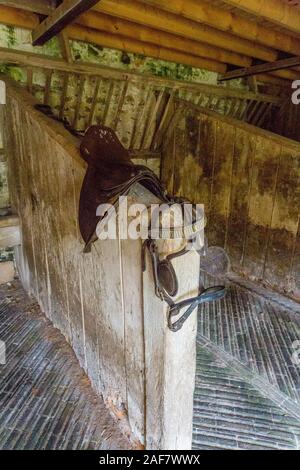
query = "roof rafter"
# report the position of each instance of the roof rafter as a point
(61, 17)
(225, 20)
(146, 15)
(125, 28)
(44, 7)
(274, 11)
(261, 68)
(134, 36)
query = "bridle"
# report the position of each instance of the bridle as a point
(166, 282)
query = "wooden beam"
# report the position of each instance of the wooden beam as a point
(64, 95)
(63, 15)
(262, 68)
(9, 231)
(270, 79)
(274, 11)
(80, 86)
(9, 221)
(198, 11)
(287, 74)
(29, 79)
(228, 21)
(29, 59)
(48, 87)
(21, 19)
(151, 50)
(29, 20)
(65, 46)
(43, 7)
(146, 15)
(94, 102)
(138, 32)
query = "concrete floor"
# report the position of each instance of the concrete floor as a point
(247, 387)
(46, 400)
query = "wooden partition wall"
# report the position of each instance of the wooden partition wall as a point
(101, 301)
(249, 181)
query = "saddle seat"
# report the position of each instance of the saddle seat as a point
(110, 174)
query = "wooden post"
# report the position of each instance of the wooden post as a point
(167, 365)
(170, 358)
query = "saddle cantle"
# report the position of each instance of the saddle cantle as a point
(110, 174)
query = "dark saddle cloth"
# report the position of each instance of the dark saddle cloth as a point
(110, 174)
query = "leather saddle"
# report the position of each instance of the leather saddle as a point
(111, 174)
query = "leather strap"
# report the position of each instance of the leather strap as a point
(208, 295)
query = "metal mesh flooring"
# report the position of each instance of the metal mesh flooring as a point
(247, 387)
(46, 400)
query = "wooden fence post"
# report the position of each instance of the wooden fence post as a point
(170, 359)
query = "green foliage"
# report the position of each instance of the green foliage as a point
(138, 63)
(16, 73)
(52, 47)
(11, 36)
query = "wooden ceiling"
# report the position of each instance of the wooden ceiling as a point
(219, 35)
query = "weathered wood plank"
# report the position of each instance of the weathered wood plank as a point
(244, 153)
(63, 95)
(187, 165)
(48, 87)
(295, 265)
(148, 132)
(220, 189)
(284, 224)
(10, 236)
(9, 56)
(206, 157)
(44, 7)
(9, 221)
(244, 196)
(81, 83)
(65, 46)
(94, 102)
(134, 335)
(90, 314)
(164, 122)
(179, 155)
(170, 360)
(263, 185)
(167, 169)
